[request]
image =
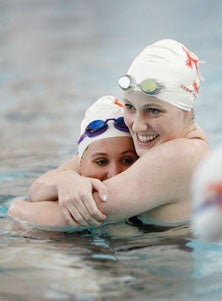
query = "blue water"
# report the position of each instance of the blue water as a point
(56, 58)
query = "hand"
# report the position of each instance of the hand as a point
(76, 200)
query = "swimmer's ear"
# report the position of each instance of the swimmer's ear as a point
(189, 113)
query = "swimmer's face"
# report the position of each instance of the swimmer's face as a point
(108, 157)
(152, 121)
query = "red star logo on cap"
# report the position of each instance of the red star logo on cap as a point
(196, 87)
(190, 59)
(116, 102)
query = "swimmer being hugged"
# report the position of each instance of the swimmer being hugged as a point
(105, 149)
(159, 91)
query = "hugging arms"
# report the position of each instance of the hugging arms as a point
(158, 96)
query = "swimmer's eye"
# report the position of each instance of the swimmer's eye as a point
(129, 107)
(101, 162)
(153, 111)
(128, 160)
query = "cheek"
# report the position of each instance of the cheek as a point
(91, 170)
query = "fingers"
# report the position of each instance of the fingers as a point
(73, 218)
(94, 212)
(78, 204)
(81, 210)
(77, 219)
(101, 188)
(68, 218)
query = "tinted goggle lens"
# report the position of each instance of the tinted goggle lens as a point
(98, 127)
(120, 124)
(124, 82)
(149, 86)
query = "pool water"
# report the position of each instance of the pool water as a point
(57, 57)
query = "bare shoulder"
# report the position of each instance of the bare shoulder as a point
(196, 141)
(197, 133)
(184, 150)
(192, 145)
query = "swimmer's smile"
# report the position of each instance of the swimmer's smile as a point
(146, 138)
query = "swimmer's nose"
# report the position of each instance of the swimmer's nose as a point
(139, 123)
(114, 169)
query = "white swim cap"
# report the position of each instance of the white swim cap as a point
(106, 110)
(207, 197)
(172, 65)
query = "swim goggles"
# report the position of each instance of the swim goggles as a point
(97, 127)
(149, 86)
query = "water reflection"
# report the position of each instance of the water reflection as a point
(82, 265)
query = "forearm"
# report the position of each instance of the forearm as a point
(38, 213)
(45, 188)
(121, 203)
(161, 177)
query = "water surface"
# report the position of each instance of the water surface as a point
(57, 57)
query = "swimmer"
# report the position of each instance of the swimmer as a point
(207, 197)
(105, 148)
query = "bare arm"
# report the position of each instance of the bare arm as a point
(73, 192)
(162, 176)
(38, 213)
(44, 187)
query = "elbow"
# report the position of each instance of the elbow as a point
(14, 209)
